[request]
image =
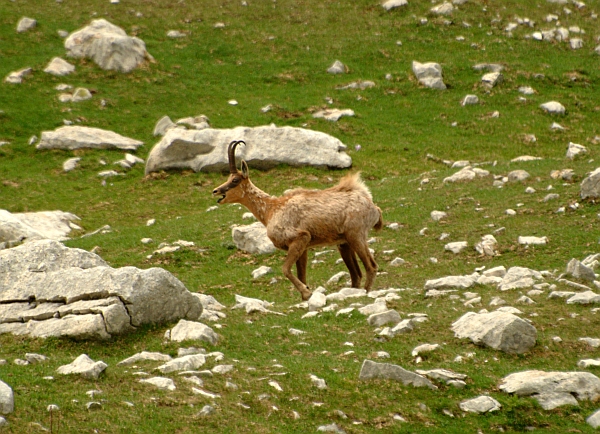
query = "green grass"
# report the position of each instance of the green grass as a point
(277, 53)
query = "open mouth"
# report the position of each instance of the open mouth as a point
(221, 198)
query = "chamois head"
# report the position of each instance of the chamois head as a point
(230, 191)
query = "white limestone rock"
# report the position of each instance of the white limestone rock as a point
(83, 366)
(108, 46)
(498, 330)
(470, 100)
(333, 114)
(145, 356)
(519, 277)
(316, 301)
(583, 385)
(594, 419)
(193, 331)
(261, 272)
(88, 298)
(578, 270)
(553, 107)
(590, 186)
(481, 404)
(163, 125)
(17, 77)
(388, 317)
(456, 247)
(445, 8)
(7, 399)
(460, 282)
(429, 74)
(492, 79)
(59, 67)
(467, 173)
(252, 238)
(487, 246)
(574, 150)
(392, 4)
(26, 24)
(337, 68)
(33, 226)
(266, 146)
(76, 137)
(532, 241)
(185, 363)
(372, 370)
(587, 297)
(161, 383)
(81, 94)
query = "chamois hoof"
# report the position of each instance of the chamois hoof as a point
(305, 297)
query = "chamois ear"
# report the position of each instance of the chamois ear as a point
(244, 169)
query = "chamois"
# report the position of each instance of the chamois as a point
(300, 219)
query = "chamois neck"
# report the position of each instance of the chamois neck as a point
(258, 202)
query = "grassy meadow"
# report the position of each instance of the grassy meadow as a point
(277, 52)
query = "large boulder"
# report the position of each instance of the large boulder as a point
(47, 289)
(266, 147)
(549, 387)
(76, 137)
(54, 225)
(108, 46)
(499, 330)
(590, 186)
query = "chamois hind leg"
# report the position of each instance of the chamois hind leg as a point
(362, 250)
(301, 266)
(296, 249)
(351, 262)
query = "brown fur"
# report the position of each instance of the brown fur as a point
(300, 219)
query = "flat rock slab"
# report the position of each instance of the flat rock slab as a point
(266, 147)
(145, 356)
(583, 385)
(499, 330)
(161, 383)
(83, 366)
(481, 404)
(552, 400)
(47, 289)
(53, 225)
(185, 363)
(76, 137)
(385, 371)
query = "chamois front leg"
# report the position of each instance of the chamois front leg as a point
(297, 249)
(301, 266)
(351, 262)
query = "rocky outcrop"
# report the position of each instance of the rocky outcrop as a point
(266, 146)
(47, 289)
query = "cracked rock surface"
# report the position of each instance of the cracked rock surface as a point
(47, 289)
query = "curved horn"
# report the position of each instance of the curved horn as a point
(231, 154)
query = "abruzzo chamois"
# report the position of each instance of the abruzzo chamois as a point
(300, 219)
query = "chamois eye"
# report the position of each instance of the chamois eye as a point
(235, 180)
